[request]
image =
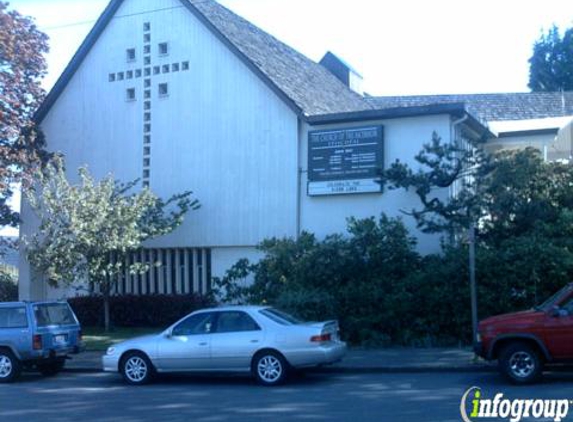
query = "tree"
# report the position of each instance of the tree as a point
(551, 65)
(22, 66)
(88, 230)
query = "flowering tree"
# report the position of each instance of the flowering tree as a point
(88, 229)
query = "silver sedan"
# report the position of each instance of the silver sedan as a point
(261, 340)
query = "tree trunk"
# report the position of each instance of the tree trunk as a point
(106, 312)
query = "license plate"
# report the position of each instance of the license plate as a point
(60, 339)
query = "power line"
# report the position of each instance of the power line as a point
(72, 24)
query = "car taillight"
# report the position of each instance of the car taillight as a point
(321, 338)
(37, 342)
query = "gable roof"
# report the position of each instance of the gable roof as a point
(492, 107)
(307, 87)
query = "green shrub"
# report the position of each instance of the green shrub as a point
(8, 289)
(137, 311)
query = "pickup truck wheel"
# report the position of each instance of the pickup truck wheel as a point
(9, 366)
(52, 368)
(520, 363)
(136, 368)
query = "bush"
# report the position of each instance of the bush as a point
(383, 292)
(8, 289)
(137, 311)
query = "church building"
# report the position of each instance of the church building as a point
(186, 95)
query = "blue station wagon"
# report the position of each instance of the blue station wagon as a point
(37, 335)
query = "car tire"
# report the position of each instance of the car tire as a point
(52, 368)
(9, 366)
(520, 363)
(270, 368)
(136, 368)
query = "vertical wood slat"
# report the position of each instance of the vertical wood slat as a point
(178, 281)
(144, 276)
(187, 277)
(195, 271)
(169, 273)
(152, 271)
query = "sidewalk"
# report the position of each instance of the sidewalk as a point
(360, 361)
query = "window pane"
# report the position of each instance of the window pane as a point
(13, 317)
(195, 324)
(229, 322)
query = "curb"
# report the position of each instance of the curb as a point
(350, 370)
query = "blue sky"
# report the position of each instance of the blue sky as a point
(400, 46)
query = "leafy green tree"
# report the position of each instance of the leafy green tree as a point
(88, 229)
(551, 65)
(22, 66)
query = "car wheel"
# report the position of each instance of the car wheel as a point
(136, 368)
(9, 366)
(520, 363)
(270, 368)
(52, 368)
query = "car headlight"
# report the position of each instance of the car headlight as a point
(110, 351)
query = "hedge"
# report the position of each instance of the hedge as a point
(137, 311)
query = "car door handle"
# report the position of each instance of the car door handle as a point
(254, 341)
(203, 343)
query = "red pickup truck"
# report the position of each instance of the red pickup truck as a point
(524, 342)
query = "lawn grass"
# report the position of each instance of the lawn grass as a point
(98, 340)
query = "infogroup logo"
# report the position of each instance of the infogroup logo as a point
(474, 406)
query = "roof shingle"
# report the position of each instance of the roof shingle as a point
(492, 107)
(308, 84)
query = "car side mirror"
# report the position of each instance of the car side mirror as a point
(168, 334)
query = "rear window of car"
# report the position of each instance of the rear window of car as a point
(53, 314)
(14, 317)
(280, 317)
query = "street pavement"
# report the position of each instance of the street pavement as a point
(102, 397)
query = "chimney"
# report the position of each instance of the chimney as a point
(343, 71)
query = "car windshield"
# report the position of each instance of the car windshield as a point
(280, 317)
(553, 298)
(49, 314)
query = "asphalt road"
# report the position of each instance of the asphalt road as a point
(313, 397)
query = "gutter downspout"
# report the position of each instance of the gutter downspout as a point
(299, 178)
(453, 139)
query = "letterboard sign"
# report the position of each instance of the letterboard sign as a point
(345, 161)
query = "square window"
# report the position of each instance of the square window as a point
(163, 49)
(129, 74)
(147, 117)
(112, 77)
(146, 139)
(175, 67)
(156, 70)
(130, 94)
(146, 183)
(163, 90)
(147, 49)
(165, 68)
(185, 66)
(147, 83)
(120, 76)
(147, 128)
(138, 73)
(147, 71)
(147, 105)
(146, 37)
(147, 94)
(147, 60)
(130, 54)
(146, 173)
(146, 162)
(147, 151)
(147, 26)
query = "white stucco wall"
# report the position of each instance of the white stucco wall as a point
(403, 139)
(221, 132)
